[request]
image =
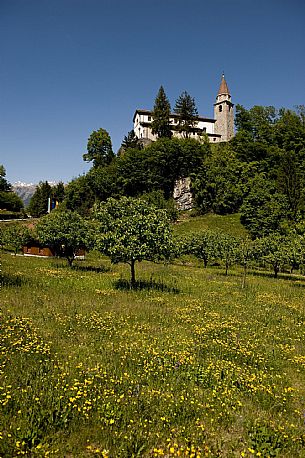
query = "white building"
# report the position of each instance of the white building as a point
(219, 129)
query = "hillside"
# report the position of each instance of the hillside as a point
(228, 223)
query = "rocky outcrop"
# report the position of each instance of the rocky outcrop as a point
(182, 194)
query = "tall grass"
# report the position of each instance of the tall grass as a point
(188, 364)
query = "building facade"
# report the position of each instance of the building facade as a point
(219, 129)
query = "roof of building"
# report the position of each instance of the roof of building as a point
(172, 115)
(223, 88)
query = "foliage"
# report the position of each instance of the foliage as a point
(8, 199)
(157, 199)
(4, 184)
(159, 165)
(219, 184)
(228, 250)
(246, 252)
(130, 141)
(38, 205)
(99, 148)
(273, 250)
(204, 245)
(291, 179)
(105, 181)
(187, 112)
(79, 195)
(58, 192)
(64, 231)
(161, 116)
(264, 209)
(15, 236)
(132, 230)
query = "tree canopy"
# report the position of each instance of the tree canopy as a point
(38, 205)
(9, 200)
(131, 230)
(187, 113)
(130, 141)
(161, 116)
(65, 232)
(99, 148)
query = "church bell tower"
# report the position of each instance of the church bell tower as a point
(223, 112)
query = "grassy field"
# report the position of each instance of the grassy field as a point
(190, 364)
(228, 223)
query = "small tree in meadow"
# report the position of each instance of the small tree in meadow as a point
(130, 231)
(64, 231)
(273, 251)
(246, 252)
(204, 246)
(15, 236)
(228, 250)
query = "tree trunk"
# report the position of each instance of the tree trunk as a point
(70, 260)
(133, 274)
(244, 277)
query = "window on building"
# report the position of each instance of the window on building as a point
(220, 108)
(149, 118)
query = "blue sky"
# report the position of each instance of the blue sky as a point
(69, 67)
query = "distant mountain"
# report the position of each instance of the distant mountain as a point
(24, 191)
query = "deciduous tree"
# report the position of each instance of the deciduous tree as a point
(65, 232)
(205, 246)
(264, 209)
(16, 236)
(99, 148)
(131, 231)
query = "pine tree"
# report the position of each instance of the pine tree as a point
(161, 115)
(186, 109)
(130, 141)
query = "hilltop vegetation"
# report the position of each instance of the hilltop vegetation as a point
(259, 173)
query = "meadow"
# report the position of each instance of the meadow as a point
(189, 364)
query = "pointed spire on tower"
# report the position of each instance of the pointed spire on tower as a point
(223, 88)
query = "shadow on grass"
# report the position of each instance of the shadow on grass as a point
(10, 280)
(141, 285)
(100, 269)
(281, 276)
(295, 278)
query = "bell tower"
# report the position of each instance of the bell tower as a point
(223, 112)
